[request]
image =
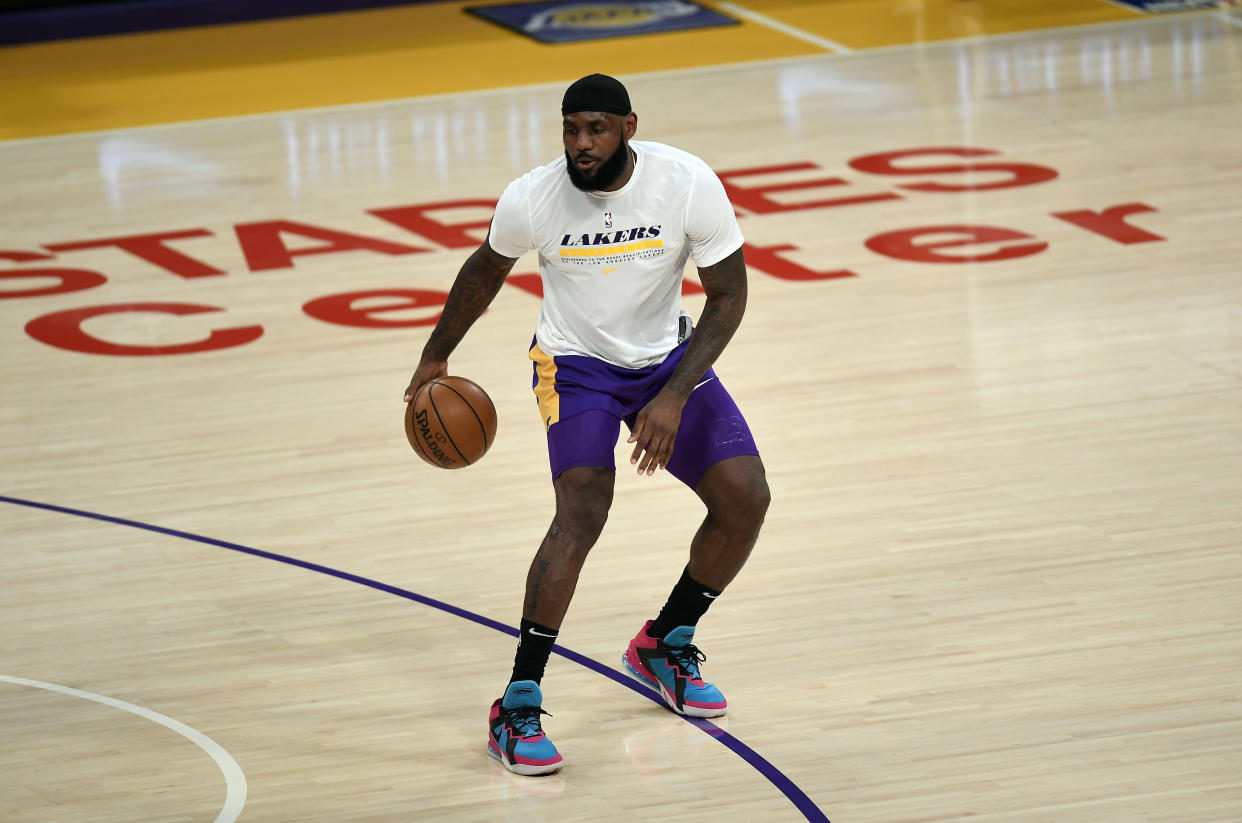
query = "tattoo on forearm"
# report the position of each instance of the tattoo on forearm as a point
(725, 284)
(472, 292)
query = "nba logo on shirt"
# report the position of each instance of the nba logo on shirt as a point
(608, 220)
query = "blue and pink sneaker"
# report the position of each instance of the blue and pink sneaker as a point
(514, 734)
(671, 667)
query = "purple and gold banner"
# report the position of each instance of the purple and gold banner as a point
(571, 22)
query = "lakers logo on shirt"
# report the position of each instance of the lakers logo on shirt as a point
(612, 247)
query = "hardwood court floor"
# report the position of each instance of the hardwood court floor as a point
(1000, 577)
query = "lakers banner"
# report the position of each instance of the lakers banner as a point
(570, 22)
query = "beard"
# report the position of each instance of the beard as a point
(606, 173)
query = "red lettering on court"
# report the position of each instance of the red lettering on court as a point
(151, 248)
(63, 329)
(754, 198)
(905, 245)
(264, 246)
(1017, 174)
(529, 283)
(347, 309)
(453, 235)
(768, 260)
(70, 279)
(17, 256)
(1111, 222)
(461, 224)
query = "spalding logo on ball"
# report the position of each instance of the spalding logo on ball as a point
(451, 422)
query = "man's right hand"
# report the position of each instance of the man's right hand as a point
(427, 370)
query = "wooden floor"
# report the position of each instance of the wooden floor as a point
(993, 360)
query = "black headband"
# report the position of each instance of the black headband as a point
(596, 92)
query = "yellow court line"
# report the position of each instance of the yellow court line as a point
(320, 61)
(324, 60)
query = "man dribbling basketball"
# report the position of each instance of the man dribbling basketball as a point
(614, 222)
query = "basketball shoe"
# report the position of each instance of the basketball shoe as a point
(671, 667)
(514, 735)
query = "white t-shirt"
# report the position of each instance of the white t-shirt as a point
(612, 261)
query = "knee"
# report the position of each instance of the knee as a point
(742, 499)
(582, 521)
(582, 505)
(755, 498)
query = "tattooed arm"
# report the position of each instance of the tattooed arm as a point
(477, 283)
(655, 429)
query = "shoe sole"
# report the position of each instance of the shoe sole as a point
(522, 769)
(689, 711)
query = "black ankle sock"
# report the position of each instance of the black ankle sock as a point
(684, 606)
(534, 648)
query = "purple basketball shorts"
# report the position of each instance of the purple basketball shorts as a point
(583, 401)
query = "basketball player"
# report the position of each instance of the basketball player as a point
(614, 222)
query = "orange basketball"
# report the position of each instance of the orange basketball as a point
(451, 422)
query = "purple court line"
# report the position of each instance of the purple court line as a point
(778, 779)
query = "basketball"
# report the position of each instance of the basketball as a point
(451, 422)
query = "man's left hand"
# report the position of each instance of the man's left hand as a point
(655, 430)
